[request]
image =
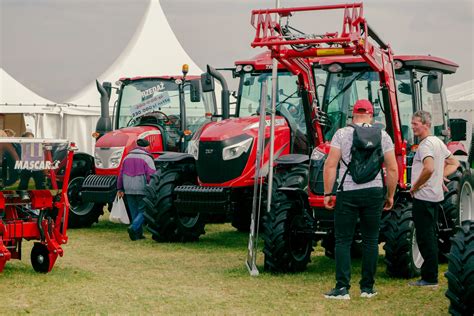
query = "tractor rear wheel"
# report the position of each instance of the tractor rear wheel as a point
(460, 272)
(449, 218)
(402, 255)
(161, 216)
(286, 248)
(81, 213)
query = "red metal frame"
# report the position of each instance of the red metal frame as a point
(355, 39)
(52, 234)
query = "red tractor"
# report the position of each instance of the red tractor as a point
(35, 205)
(165, 110)
(397, 86)
(215, 178)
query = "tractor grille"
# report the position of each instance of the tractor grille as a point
(212, 168)
(99, 182)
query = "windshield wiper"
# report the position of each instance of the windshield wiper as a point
(347, 86)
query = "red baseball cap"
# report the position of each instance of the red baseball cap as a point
(363, 107)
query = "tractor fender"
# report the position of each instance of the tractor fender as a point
(296, 194)
(174, 157)
(292, 159)
(457, 148)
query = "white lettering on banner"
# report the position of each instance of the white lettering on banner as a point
(150, 105)
(36, 165)
(152, 90)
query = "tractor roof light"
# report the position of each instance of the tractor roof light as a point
(397, 64)
(248, 68)
(185, 69)
(238, 68)
(335, 67)
(95, 135)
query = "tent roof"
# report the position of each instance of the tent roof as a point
(461, 92)
(154, 50)
(13, 92)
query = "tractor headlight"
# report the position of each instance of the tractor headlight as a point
(317, 154)
(236, 150)
(97, 160)
(116, 157)
(193, 148)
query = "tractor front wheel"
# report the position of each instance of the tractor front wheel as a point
(402, 255)
(81, 213)
(161, 216)
(460, 272)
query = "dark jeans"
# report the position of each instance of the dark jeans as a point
(367, 205)
(425, 217)
(136, 208)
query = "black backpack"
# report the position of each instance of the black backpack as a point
(366, 154)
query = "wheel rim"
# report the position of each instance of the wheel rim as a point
(299, 245)
(465, 205)
(77, 206)
(415, 252)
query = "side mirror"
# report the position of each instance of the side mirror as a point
(435, 82)
(207, 82)
(108, 88)
(458, 129)
(195, 91)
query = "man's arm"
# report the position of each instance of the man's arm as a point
(451, 164)
(391, 167)
(329, 174)
(426, 172)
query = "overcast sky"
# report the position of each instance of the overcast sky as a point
(56, 47)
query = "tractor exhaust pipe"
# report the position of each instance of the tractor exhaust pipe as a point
(225, 93)
(104, 124)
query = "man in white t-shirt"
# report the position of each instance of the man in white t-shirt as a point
(432, 162)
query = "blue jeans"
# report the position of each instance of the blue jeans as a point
(367, 205)
(136, 207)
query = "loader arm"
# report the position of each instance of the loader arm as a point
(355, 39)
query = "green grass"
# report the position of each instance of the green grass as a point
(103, 272)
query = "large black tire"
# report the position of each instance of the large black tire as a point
(460, 272)
(161, 216)
(448, 219)
(286, 249)
(402, 256)
(81, 213)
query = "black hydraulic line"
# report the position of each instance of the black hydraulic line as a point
(376, 38)
(40, 228)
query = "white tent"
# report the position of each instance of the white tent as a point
(461, 104)
(154, 50)
(21, 109)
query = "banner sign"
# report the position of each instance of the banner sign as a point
(148, 106)
(31, 164)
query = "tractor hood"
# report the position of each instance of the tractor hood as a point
(230, 128)
(125, 137)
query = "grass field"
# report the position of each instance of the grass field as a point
(103, 272)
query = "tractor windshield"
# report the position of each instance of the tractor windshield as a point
(160, 98)
(288, 99)
(343, 89)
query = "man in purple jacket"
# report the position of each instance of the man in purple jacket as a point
(136, 170)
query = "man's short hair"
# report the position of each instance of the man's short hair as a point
(424, 116)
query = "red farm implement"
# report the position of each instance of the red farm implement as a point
(33, 198)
